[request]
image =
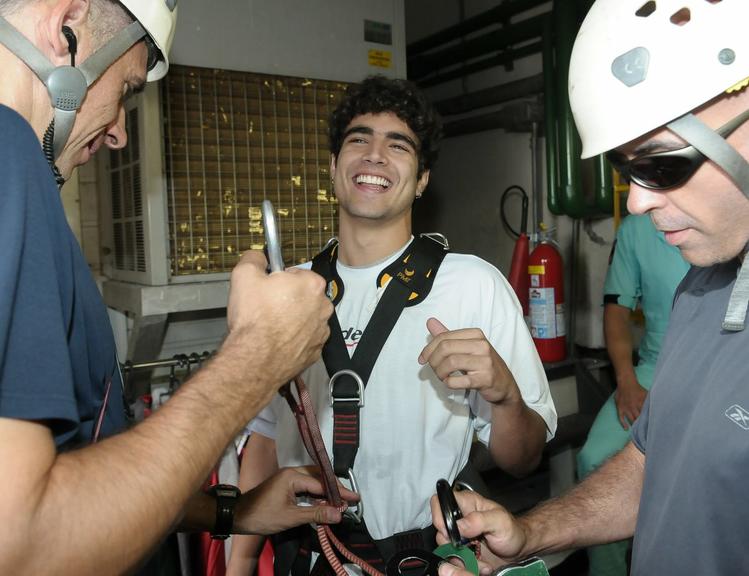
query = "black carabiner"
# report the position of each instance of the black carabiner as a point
(450, 511)
(423, 562)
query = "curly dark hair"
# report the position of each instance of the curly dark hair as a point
(378, 94)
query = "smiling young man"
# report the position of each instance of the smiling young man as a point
(457, 361)
(664, 85)
(80, 494)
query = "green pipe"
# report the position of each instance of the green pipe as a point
(604, 186)
(553, 200)
(570, 180)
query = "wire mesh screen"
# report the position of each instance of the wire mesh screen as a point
(233, 139)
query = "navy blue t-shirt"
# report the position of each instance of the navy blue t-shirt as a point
(56, 346)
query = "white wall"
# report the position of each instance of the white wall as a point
(309, 38)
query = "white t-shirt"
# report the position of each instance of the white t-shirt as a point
(414, 430)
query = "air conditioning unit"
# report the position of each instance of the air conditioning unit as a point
(182, 200)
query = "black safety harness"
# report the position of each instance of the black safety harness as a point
(408, 281)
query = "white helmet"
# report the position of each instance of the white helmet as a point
(159, 19)
(637, 65)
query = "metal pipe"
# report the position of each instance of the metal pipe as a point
(574, 284)
(502, 59)
(491, 96)
(499, 14)
(553, 200)
(517, 117)
(496, 41)
(179, 360)
(536, 193)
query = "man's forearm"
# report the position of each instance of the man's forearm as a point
(603, 508)
(517, 438)
(110, 502)
(619, 341)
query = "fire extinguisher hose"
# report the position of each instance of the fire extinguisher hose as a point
(524, 211)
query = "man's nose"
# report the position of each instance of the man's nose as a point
(116, 137)
(375, 152)
(641, 200)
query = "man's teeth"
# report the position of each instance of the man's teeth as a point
(376, 180)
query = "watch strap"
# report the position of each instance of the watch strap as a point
(226, 499)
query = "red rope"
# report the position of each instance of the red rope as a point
(328, 535)
(309, 429)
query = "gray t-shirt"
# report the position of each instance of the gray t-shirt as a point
(694, 430)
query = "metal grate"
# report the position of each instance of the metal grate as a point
(127, 201)
(233, 139)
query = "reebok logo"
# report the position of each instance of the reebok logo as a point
(739, 416)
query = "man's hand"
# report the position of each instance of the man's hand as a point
(280, 318)
(629, 398)
(464, 359)
(485, 520)
(272, 506)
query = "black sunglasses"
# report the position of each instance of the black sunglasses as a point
(154, 54)
(669, 169)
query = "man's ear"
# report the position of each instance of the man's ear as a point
(332, 175)
(332, 166)
(70, 13)
(422, 183)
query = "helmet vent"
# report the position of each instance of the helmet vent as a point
(646, 9)
(681, 17)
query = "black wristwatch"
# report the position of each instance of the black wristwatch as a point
(226, 498)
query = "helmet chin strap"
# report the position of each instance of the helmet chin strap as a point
(67, 85)
(715, 147)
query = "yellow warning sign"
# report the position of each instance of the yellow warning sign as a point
(541, 270)
(381, 58)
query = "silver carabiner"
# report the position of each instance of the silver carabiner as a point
(359, 383)
(272, 238)
(358, 512)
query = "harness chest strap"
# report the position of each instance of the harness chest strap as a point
(408, 281)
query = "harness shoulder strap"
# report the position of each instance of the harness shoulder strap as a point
(409, 280)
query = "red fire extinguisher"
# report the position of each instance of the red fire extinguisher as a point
(546, 301)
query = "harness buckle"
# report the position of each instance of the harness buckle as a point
(359, 383)
(438, 238)
(358, 512)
